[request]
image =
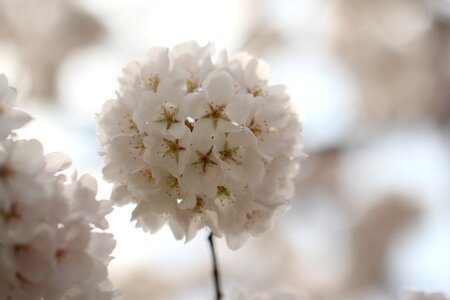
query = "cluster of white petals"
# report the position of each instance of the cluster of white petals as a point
(196, 143)
(52, 244)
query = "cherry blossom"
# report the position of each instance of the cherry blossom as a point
(197, 144)
(48, 246)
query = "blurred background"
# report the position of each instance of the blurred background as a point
(371, 215)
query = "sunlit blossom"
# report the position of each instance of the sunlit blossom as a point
(201, 144)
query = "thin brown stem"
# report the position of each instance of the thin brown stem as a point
(216, 268)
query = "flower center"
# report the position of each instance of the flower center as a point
(152, 83)
(255, 128)
(172, 181)
(204, 159)
(200, 206)
(229, 154)
(168, 116)
(224, 196)
(148, 175)
(132, 125)
(223, 191)
(174, 187)
(137, 143)
(257, 91)
(216, 113)
(173, 148)
(191, 85)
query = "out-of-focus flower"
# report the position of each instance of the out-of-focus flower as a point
(10, 117)
(48, 247)
(30, 27)
(414, 295)
(272, 295)
(199, 144)
(389, 62)
(372, 236)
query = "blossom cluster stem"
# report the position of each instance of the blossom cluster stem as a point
(215, 268)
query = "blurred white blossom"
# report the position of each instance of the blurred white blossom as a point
(48, 246)
(415, 295)
(237, 294)
(29, 27)
(10, 116)
(198, 144)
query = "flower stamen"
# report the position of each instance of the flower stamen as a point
(204, 159)
(191, 85)
(255, 128)
(152, 83)
(173, 148)
(228, 153)
(216, 113)
(168, 116)
(257, 91)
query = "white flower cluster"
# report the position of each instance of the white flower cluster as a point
(200, 144)
(48, 246)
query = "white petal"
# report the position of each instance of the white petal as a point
(27, 156)
(5, 127)
(87, 181)
(120, 194)
(238, 109)
(257, 70)
(262, 224)
(34, 261)
(177, 130)
(236, 240)
(189, 202)
(219, 88)
(18, 118)
(3, 154)
(196, 105)
(274, 115)
(101, 245)
(56, 161)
